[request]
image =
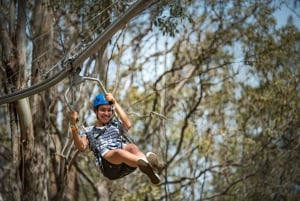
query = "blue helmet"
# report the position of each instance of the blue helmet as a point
(100, 100)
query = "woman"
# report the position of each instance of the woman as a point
(110, 145)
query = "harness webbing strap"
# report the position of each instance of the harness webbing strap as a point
(95, 133)
(109, 170)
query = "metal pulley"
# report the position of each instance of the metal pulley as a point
(76, 79)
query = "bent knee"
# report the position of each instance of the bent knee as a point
(115, 153)
(132, 148)
(115, 156)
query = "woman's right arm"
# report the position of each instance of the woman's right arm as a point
(121, 113)
(81, 142)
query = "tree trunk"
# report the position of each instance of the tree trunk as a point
(36, 172)
(13, 41)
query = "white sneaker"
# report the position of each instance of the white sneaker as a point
(153, 161)
(145, 167)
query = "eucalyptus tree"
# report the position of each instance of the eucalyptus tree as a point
(192, 101)
(177, 69)
(268, 114)
(37, 37)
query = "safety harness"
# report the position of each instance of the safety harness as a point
(109, 170)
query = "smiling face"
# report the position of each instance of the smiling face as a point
(104, 114)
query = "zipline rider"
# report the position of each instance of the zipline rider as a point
(115, 156)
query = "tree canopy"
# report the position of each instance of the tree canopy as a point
(211, 86)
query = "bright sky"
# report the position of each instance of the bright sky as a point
(283, 14)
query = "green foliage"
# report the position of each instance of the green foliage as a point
(171, 18)
(225, 128)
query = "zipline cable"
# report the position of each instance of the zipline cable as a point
(78, 47)
(73, 64)
(130, 13)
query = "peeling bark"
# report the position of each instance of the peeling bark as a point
(27, 137)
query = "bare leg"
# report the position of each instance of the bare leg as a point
(132, 156)
(132, 148)
(129, 155)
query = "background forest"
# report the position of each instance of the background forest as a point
(211, 86)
